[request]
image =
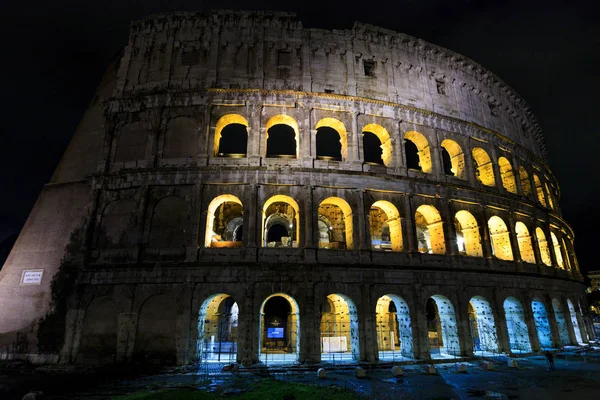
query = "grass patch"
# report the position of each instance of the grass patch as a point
(264, 390)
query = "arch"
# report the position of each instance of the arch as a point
(524, 241)
(155, 340)
(518, 334)
(131, 142)
(441, 326)
(574, 321)
(99, 333)
(340, 129)
(424, 151)
(507, 175)
(430, 230)
(224, 219)
(339, 214)
(525, 182)
(457, 158)
(117, 228)
(561, 322)
(468, 238)
(557, 251)
(181, 138)
(279, 335)
(484, 170)
(384, 139)
(279, 143)
(385, 226)
(549, 196)
(231, 136)
(483, 326)
(218, 329)
(566, 259)
(339, 329)
(394, 328)
(539, 190)
(170, 222)
(543, 246)
(542, 324)
(281, 214)
(500, 238)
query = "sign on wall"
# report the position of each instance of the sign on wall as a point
(32, 277)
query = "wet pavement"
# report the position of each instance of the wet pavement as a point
(576, 376)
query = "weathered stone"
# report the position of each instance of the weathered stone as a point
(430, 369)
(360, 372)
(321, 373)
(397, 371)
(513, 363)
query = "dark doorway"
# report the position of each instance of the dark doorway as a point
(328, 144)
(234, 140)
(447, 162)
(281, 142)
(412, 155)
(372, 148)
(276, 232)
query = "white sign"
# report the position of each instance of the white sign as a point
(335, 344)
(32, 277)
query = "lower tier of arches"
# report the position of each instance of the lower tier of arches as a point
(275, 314)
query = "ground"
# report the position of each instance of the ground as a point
(577, 375)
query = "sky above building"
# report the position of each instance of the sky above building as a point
(54, 55)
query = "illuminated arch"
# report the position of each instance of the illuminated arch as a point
(543, 246)
(525, 183)
(430, 230)
(210, 217)
(484, 170)
(457, 157)
(524, 241)
(283, 120)
(393, 223)
(467, 234)
(557, 251)
(542, 324)
(561, 322)
(549, 195)
(218, 329)
(290, 334)
(507, 175)
(346, 220)
(518, 334)
(567, 258)
(574, 321)
(483, 325)
(424, 150)
(295, 219)
(500, 238)
(394, 328)
(222, 123)
(339, 329)
(386, 142)
(340, 128)
(539, 189)
(443, 326)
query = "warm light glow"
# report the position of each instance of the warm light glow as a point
(210, 217)
(340, 128)
(424, 151)
(484, 170)
(285, 120)
(457, 157)
(222, 123)
(386, 142)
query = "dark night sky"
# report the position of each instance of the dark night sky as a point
(55, 52)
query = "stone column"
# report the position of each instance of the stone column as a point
(419, 325)
(437, 168)
(127, 323)
(531, 328)
(517, 175)
(536, 252)
(486, 240)
(463, 326)
(500, 321)
(73, 322)
(311, 219)
(570, 327)
(254, 135)
(310, 332)
(449, 230)
(251, 223)
(514, 243)
(470, 167)
(355, 143)
(408, 226)
(367, 326)
(307, 137)
(364, 235)
(248, 325)
(496, 168)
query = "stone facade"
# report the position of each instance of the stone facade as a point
(178, 193)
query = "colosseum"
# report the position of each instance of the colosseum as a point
(244, 189)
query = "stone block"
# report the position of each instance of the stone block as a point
(397, 371)
(360, 373)
(512, 363)
(486, 365)
(430, 369)
(321, 373)
(462, 367)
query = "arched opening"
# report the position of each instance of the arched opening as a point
(156, 334)
(452, 152)
(394, 329)
(468, 239)
(543, 246)
(566, 259)
(339, 330)
(518, 335)
(507, 175)
(377, 145)
(169, 227)
(539, 190)
(525, 183)
(484, 170)
(224, 222)
(500, 239)
(218, 329)
(131, 142)
(542, 325)
(231, 136)
(422, 159)
(524, 241)
(561, 322)
(441, 328)
(385, 227)
(430, 230)
(557, 250)
(483, 326)
(281, 222)
(279, 329)
(118, 225)
(282, 137)
(338, 214)
(574, 321)
(549, 195)
(332, 140)
(99, 329)
(181, 138)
